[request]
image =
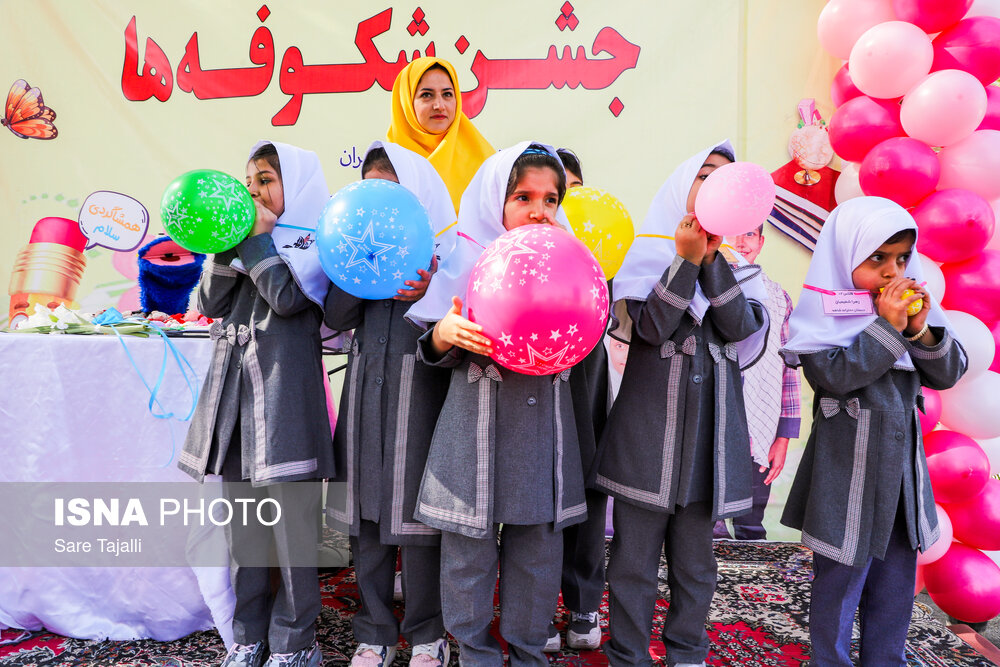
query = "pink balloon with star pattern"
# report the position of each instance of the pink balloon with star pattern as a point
(541, 297)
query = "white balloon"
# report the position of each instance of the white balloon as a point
(977, 340)
(934, 277)
(848, 185)
(972, 406)
(992, 449)
(984, 8)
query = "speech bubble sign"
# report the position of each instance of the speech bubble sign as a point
(113, 220)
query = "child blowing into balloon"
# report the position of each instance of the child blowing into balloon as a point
(673, 451)
(505, 450)
(862, 495)
(262, 417)
(388, 410)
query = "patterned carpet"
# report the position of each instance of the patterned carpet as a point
(758, 618)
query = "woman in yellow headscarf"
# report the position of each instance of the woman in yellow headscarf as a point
(427, 118)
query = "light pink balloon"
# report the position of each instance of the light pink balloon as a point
(735, 198)
(965, 584)
(541, 297)
(890, 58)
(992, 448)
(974, 164)
(939, 548)
(977, 339)
(842, 22)
(984, 8)
(945, 107)
(847, 185)
(972, 406)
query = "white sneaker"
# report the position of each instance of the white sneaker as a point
(554, 643)
(373, 655)
(431, 655)
(584, 631)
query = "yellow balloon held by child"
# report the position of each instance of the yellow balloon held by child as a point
(914, 307)
(602, 223)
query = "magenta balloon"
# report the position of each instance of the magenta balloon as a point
(972, 45)
(974, 164)
(955, 225)
(901, 169)
(944, 108)
(992, 119)
(861, 124)
(843, 88)
(931, 15)
(890, 58)
(965, 584)
(541, 297)
(931, 415)
(976, 521)
(973, 286)
(958, 466)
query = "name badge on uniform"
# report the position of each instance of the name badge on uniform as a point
(845, 301)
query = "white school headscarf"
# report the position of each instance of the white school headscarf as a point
(294, 235)
(852, 232)
(417, 174)
(480, 222)
(651, 253)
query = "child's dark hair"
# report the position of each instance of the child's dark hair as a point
(724, 152)
(903, 234)
(377, 158)
(268, 153)
(536, 156)
(571, 162)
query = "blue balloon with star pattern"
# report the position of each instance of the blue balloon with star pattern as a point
(372, 236)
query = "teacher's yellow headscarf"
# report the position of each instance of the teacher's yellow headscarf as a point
(457, 153)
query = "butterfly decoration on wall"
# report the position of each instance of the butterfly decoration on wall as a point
(26, 115)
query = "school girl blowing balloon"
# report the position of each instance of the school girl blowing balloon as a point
(505, 449)
(261, 420)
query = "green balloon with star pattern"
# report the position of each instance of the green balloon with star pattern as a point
(207, 211)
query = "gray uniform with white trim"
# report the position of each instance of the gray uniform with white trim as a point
(865, 449)
(266, 373)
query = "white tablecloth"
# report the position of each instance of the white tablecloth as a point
(73, 408)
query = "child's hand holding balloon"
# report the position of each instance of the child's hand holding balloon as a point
(691, 240)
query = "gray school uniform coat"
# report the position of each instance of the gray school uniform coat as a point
(266, 373)
(388, 410)
(505, 450)
(677, 432)
(865, 455)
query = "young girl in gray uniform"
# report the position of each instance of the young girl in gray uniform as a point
(505, 449)
(673, 452)
(262, 413)
(862, 496)
(388, 410)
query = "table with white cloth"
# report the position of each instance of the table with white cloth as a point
(75, 408)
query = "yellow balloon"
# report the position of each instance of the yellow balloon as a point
(602, 223)
(914, 307)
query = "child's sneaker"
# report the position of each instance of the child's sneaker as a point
(432, 654)
(245, 655)
(373, 655)
(306, 657)
(584, 631)
(554, 642)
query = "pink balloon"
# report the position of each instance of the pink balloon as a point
(931, 15)
(995, 366)
(847, 185)
(890, 58)
(994, 242)
(842, 22)
(972, 45)
(972, 406)
(939, 548)
(973, 286)
(991, 121)
(954, 225)
(965, 583)
(974, 164)
(541, 297)
(976, 521)
(945, 107)
(957, 465)
(735, 198)
(902, 169)
(861, 124)
(933, 277)
(931, 415)
(843, 88)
